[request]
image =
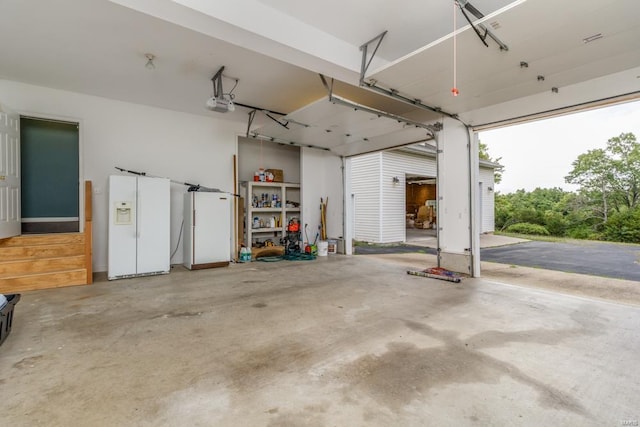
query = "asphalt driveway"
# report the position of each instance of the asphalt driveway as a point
(595, 258)
(602, 259)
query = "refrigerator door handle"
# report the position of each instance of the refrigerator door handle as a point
(139, 215)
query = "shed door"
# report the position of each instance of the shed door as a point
(9, 175)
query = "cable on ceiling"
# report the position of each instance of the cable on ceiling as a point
(454, 89)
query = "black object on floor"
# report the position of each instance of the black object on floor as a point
(6, 316)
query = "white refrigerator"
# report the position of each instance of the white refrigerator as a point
(207, 230)
(139, 226)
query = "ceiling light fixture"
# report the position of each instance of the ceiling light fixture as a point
(150, 65)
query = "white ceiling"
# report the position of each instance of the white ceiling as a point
(277, 48)
(97, 47)
(411, 24)
(546, 34)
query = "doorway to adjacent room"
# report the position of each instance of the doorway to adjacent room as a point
(49, 164)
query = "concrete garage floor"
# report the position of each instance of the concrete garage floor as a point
(342, 341)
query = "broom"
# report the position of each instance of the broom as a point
(323, 218)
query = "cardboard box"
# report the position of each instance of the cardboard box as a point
(278, 174)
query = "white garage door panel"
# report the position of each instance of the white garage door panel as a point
(329, 124)
(339, 119)
(553, 47)
(383, 142)
(315, 112)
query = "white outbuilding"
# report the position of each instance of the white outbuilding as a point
(389, 187)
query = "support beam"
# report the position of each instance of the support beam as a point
(474, 201)
(366, 59)
(349, 207)
(458, 243)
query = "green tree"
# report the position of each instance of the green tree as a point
(607, 206)
(583, 223)
(592, 171)
(625, 161)
(610, 177)
(546, 207)
(483, 153)
(624, 226)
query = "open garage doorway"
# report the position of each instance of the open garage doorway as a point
(421, 212)
(395, 196)
(549, 198)
(390, 187)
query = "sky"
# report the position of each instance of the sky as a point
(539, 154)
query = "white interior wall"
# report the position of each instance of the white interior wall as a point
(184, 147)
(255, 154)
(321, 178)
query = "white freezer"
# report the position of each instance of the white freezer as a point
(207, 229)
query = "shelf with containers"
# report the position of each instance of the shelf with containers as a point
(270, 207)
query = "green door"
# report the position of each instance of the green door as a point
(49, 159)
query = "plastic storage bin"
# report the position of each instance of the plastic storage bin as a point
(6, 316)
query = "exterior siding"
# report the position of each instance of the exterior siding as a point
(365, 185)
(412, 164)
(393, 205)
(488, 200)
(380, 204)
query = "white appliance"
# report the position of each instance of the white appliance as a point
(139, 224)
(207, 229)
